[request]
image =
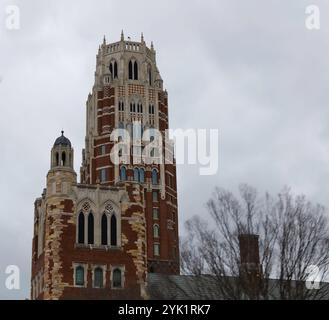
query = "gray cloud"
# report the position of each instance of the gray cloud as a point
(249, 68)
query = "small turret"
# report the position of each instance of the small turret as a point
(62, 153)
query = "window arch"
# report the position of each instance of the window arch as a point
(114, 241)
(57, 159)
(156, 231)
(123, 174)
(155, 178)
(135, 71)
(117, 278)
(133, 107)
(80, 276)
(104, 230)
(149, 71)
(151, 109)
(81, 228)
(111, 69)
(130, 70)
(98, 278)
(141, 175)
(90, 228)
(63, 159)
(121, 106)
(115, 70)
(136, 174)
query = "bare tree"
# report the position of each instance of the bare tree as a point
(293, 239)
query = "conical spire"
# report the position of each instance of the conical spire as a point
(122, 36)
(104, 41)
(142, 37)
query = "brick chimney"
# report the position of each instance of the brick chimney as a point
(250, 267)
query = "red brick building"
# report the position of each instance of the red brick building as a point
(100, 238)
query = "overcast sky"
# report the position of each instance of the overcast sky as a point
(248, 68)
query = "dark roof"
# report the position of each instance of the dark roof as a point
(63, 141)
(206, 287)
(182, 287)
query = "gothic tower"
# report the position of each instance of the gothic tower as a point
(128, 90)
(98, 239)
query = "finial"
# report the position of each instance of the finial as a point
(62, 132)
(142, 37)
(152, 45)
(104, 40)
(122, 36)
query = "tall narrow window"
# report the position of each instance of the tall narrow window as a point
(150, 75)
(156, 231)
(104, 230)
(155, 196)
(114, 231)
(79, 276)
(136, 174)
(57, 159)
(103, 175)
(135, 71)
(130, 70)
(155, 213)
(156, 249)
(90, 228)
(155, 179)
(115, 70)
(81, 228)
(63, 159)
(141, 176)
(98, 278)
(117, 278)
(111, 70)
(123, 174)
(102, 149)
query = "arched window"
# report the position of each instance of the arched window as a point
(114, 231)
(136, 174)
(104, 230)
(151, 109)
(150, 75)
(57, 159)
(111, 69)
(141, 176)
(130, 70)
(117, 278)
(63, 159)
(79, 276)
(135, 71)
(156, 231)
(123, 174)
(98, 278)
(90, 228)
(155, 179)
(115, 70)
(139, 108)
(81, 228)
